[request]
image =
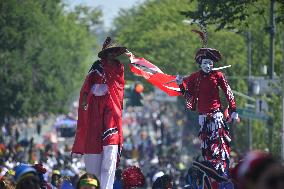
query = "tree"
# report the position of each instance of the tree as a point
(232, 14)
(43, 53)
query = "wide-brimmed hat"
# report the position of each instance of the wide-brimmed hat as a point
(208, 53)
(108, 46)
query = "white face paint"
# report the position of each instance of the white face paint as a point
(206, 65)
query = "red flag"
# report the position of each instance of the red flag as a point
(154, 75)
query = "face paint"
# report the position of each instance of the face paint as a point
(206, 65)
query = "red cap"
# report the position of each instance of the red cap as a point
(207, 53)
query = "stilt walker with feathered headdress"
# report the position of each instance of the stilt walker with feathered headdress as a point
(201, 89)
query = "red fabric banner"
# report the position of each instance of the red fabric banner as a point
(154, 75)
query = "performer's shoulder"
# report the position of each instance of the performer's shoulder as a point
(194, 74)
(96, 67)
(217, 73)
(191, 77)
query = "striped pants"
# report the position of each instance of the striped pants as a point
(216, 140)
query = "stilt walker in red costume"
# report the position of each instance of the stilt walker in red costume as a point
(202, 89)
(99, 129)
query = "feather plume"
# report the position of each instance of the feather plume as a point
(202, 36)
(107, 42)
(203, 33)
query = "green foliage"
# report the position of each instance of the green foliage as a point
(233, 14)
(43, 55)
(155, 31)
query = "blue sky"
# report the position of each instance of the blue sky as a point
(110, 8)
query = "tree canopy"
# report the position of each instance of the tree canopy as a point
(234, 14)
(43, 53)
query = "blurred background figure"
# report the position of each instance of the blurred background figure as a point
(65, 183)
(29, 181)
(6, 183)
(26, 177)
(55, 178)
(23, 170)
(163, 182)
(259, 170)
(88, 181)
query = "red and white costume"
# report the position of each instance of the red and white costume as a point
(202, 89)
(99, 128)
(101, 123)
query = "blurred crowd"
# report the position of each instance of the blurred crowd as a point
(160, 146)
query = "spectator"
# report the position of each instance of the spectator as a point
(24, 170)
(38, 128)
(259, 170)
(88, 181)
(163, 182)
(6, 183)
(145, 146)
(55, 178)
(29, 181)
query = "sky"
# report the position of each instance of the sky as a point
(110, 8)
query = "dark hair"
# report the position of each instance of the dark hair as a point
(85, 176)
(54, 179)
(255, 173)
(6, 183)
(30, 182)
(161, 182)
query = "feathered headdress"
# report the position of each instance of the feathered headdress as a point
(205, 52)
(202, 34)
(106, 43)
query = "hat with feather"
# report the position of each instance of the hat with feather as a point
(205, 52)
(109, 46)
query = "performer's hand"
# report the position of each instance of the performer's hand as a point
(179, 79)
(234, 117)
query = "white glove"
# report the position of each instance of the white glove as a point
(234, 117)
(179, 79)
